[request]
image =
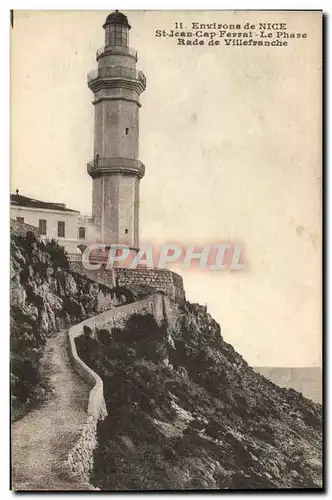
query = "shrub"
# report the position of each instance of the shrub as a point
(104, 336)
(57, 254)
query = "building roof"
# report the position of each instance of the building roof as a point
(21, 228)
(117, 18)
(23, 201)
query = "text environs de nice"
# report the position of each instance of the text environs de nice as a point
(233, 37)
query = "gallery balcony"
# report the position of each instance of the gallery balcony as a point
(116, 50)
(117, 76)
(108, 166)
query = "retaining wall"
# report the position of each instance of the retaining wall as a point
(79, 462)
(162, 280)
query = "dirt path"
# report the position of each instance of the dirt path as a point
(42, 439)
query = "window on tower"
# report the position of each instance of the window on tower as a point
(117, 34)
(126, 130)
(81, 233)
(126, 231)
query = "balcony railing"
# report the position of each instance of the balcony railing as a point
(117, 72)
(74, 257)
(119, 50)
(116, 165)
(89, 220)
(78, 257)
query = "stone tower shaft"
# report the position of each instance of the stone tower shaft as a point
(115, 169)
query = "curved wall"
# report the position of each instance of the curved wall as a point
(79, 462)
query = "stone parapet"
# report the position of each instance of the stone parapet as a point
(162, 280)
(79, 462)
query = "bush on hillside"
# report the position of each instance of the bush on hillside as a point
(58, 254)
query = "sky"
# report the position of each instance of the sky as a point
(231, 142)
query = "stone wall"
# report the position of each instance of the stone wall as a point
(118, 317)
(162, 280)
(79, 462)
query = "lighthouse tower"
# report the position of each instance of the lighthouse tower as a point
(115, 169)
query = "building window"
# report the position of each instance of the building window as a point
(81, 233)
(61, 229)
(20, 219)
(126, 130)
(126, 231)
(42, 226)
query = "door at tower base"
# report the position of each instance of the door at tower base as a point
(116, 202)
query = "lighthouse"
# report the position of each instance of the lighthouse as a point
(115, 169)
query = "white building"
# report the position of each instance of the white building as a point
(54, 220)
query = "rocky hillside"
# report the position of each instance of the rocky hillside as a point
(307, 380)
(187, 412)
(45, 298)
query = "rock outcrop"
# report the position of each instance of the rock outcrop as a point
(46, 297)
(185, 411)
